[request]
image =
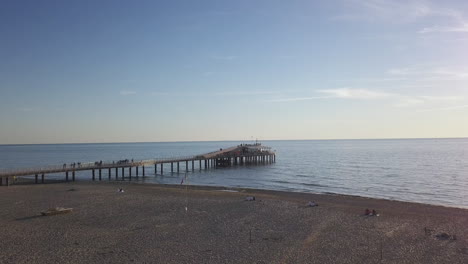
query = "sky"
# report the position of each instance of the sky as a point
(151, 71)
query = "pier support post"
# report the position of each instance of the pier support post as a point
(143, 169)
(137, 171)
(130, 173)
(36, 178)
(1, 181)
(66, 176)
(206, 164)
(186, 166)
(100, 174)
(193, 165)
(123, 173)
(7, 181)
(73, 175)
(177, 167)
(172, 167)
(109, 174)
(162, 168)
(116, 173)
(199, 164)
(155, 169)
(94, 176)
(42, 178)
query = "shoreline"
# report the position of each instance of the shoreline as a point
(206, 224)
(26, 181)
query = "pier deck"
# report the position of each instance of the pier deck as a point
(244, 154)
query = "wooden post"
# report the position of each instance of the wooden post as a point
(143, 168)
(100, 174)
(172, 167)
(186, 166)
(177, 167)
(130, 173)
(73, 175)
(123, 173)
(35, 178)
(109, 174)
(162, 168)
(137, 171)
(42, 178)
(206, 162)
(193, 165)
(7, 181)
(1, 181)
(199, 165)
(66, 176)
(94, 176)
(155, 169)
(116, 173)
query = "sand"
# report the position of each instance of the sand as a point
(150, 224)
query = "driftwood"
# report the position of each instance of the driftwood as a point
(56, 210)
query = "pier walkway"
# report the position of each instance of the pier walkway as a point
(244, 154)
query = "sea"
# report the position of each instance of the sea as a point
(431, 171)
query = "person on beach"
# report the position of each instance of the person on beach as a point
(367, 212)
(374, 212)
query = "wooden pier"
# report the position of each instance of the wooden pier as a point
(244, 154)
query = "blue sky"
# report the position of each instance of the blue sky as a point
(126, 71)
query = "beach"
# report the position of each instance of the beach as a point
(149, 223)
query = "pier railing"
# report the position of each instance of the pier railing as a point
(222, 153)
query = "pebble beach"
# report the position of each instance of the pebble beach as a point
(148, 223)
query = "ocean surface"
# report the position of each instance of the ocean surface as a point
(433, 171)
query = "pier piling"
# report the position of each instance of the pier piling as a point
(244, 154)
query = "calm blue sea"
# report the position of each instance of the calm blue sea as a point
(433, 171)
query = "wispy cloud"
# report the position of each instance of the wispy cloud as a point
(295, 99)
(392, 99)
(124, 93)
(355, 93)
(406, 11)
(431, 74)
(463, 28)
(344, 93)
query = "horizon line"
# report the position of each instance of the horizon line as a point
(230, 140)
